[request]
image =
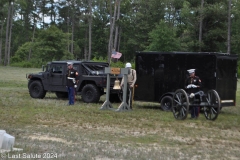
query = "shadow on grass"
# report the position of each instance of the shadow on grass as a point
(149, 107)
(55, 98)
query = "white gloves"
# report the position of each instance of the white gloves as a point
(194, 86)
(191, 86)
(192, 95)
(75, 86)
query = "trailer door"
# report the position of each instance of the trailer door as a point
(226, 80)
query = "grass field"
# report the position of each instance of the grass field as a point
(84, 132)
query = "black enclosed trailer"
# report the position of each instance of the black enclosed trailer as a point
(160, 74)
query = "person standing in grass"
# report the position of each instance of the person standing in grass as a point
(132, 77)
(193, 84)
(72, 80)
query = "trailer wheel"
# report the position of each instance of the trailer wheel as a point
(180, 104)
(90, 93)
(36, 90)
(166, 103)
(212, 110)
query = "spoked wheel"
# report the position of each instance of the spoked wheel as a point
(180, 104)
(214, 104)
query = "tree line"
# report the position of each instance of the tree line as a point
(92, 29)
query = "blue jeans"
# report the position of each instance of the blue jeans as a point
(194, 112)
(71, 95)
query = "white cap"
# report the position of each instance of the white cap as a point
(128, 65)
(191, 71)
(69, 63)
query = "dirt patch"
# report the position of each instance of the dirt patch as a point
(48, 138)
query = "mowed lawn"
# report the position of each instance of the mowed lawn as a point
(48, 128)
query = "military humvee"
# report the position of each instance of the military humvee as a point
(92, 81)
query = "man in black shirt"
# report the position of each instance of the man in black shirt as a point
(193, 85)
(72, 80)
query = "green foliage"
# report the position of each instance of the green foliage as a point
(49, 45)
(235, 38)
(118, 64)
(114, 63)
(235, 44)
(3, 9)
(98, 58)
(22, 64)
(163, 38)
(22, 53)
(214, 28)
(163, 25)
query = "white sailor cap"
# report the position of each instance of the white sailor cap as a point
(191, 71)
(69, 63)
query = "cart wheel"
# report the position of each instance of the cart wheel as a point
(180, 104)
(212, 110)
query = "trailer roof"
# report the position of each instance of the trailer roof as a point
(175, 52)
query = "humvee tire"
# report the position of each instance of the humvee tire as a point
(90, 93)
(36, 90)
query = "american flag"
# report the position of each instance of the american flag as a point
(116, 55)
